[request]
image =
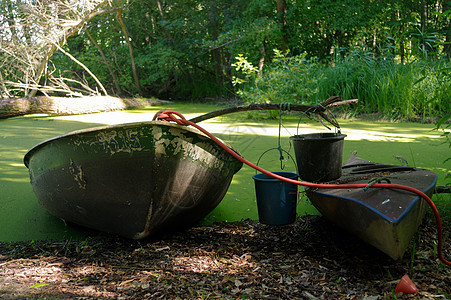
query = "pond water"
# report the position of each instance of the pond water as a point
(23, 219)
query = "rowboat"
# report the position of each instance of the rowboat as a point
(384, 218)
(133, 179)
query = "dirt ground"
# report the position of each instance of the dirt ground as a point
(310, 259)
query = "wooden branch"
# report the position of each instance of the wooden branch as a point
(120, 20)
(316, 109)
(344, 102)
(264, 106)
(61, 42)
(105, 60)
(84, 67)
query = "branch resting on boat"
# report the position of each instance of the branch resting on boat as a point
(308, 109)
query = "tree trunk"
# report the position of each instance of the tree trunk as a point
(447, 29)
(261, 62)
(3, 88)
(160, 10)
(12, 23)
(110, 69)
(282, 11)
(130, 49)
(423, 15)
(401, 35)
(84, 67)
(213, 28)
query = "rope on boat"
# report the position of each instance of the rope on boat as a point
(374, 181)
(170, 115)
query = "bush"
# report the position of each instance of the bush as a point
(286, 80)
(420, 89)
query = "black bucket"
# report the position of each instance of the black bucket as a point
(276, 200)
(319, 155)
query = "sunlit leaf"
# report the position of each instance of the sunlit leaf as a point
(41, 284)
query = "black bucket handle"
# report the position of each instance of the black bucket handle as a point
(280, 150)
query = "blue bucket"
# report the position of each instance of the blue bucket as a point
(276, 200)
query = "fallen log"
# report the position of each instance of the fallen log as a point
(69, 106)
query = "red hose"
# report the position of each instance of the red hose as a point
(170, 115)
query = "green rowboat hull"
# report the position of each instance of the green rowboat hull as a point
(132, 180)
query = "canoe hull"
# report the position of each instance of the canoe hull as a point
(384, 218)
(132, 180)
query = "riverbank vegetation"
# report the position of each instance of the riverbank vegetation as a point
(392, 56)
(419, 90)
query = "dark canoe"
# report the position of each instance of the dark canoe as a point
(132, 180)
(384, 218)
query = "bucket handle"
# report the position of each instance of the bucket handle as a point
(278, 149)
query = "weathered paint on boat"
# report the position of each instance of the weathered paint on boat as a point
(133, 179)
(384, 218)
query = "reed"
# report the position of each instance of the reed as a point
(417, 90)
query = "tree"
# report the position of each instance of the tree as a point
(281, 6)
(130, 49)
(105, 60)
(33, 32)
(186, 48)
(447, 27)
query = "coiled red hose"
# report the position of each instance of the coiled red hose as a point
(170, 115)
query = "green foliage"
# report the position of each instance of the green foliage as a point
(287, 80)
(420, 89)
(444, 126)
(246, 68)
(185, 49)
(159, 63)
(318, 25)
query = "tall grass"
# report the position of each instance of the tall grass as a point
(419, 89)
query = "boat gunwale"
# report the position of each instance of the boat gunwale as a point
(391, 220)
(38, 146)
